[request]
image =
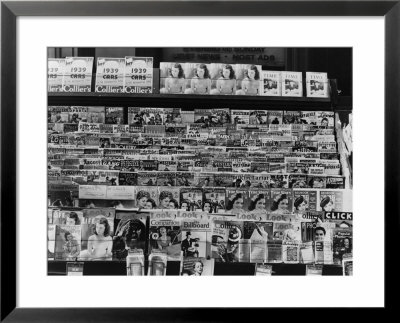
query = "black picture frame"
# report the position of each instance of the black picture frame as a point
(11, 10)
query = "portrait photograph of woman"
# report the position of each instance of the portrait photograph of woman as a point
(223, 79)
(197, 78)
(172, 78)
(248, 79)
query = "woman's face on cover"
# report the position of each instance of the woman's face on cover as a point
(207, 207)
(251, 73)
(184, 205)
(148, 205)
(302, 206)
(329, 206)
(324, 123)
(346, 243)
(226, 72)
(70, 221)
(70, 237)
(238, 204)
(165, 202)
(283, 205)
(95, 118)
(163, 231)
(142, 201)
(171, 205)
(175, 71)
(200, 72)
(100, 228)
(260, 204)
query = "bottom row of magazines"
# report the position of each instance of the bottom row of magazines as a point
(194, 266)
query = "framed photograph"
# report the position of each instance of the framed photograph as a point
(206, 48)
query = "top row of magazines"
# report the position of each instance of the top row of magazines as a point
(135, 75)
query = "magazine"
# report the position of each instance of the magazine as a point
(191, 199)
(172, 78)
(304, 200)
(166, 235)
(290, 252)
(131, 231)
(157, 263)
(342, 244)
(197, 78)
(248, 79)
(55, 72)
(95, 115)
(225, 240)
(317, 85)
(323, 252)
(335, 200)
(271, 83)
(110, 75)
(146, 197)
(197, 266)
(196, 238)
(347, 265)
(68, 242)
(258, 233)
(280, 201)
(292, 84)
(168, 197)
(223, 79)
(138, 76)
(77, 74)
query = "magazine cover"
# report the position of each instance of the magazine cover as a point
(77, 114)
(279, 181)
(256, 202)
(258, 233)
(325, 118)
(166, 179)
(68, 242)
(335, 182)
(166, 235)
(205, 180)
(146, 197)
(172, 116)
(297, 181)
(185, 179)
(306, 251)
(147, 179)
(290, 252)
(62, 195)
(198, 79)
(120, 192)
(138, 75)
(347, 265)
(95, 114)
(335, 200)
(110, 75)
(131, 230)
(241, 117)
(196, 238)
(341, 219)
(317, 85)
(223, 79)
(287, 231)
(342, 243)
(291, 117)
(213, 200)
(172, 78)
(225, 240)
(191, 199)
(58, 114)
(135, 263)
(152, 116)
(97, 232)
(78, 74)
(51, 241)
(323, 252)
(55, 72)
(316, 181)
(274, 251)
(234, 200)
(275, 117)
(292, 84)
(114, 115)
(271, 83)
(168, 197)
(220, 117)
(304, 201)
(280, 201)
(195, 266)
(128, 178)
(248, 79)
(258, 117)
